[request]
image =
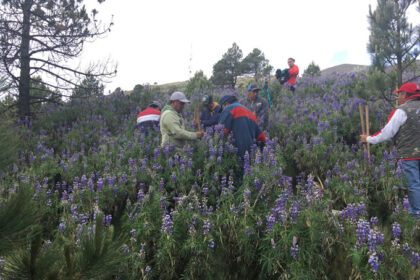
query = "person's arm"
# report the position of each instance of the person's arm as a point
(213, 119)
(173, 125)
(396, 119)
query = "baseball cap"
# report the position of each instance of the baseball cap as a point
(409, 88)
(155, 103)
(226, 98)
(205, 99)
(253, 87)
(180, 96)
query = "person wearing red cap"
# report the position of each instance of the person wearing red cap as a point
(404, 128)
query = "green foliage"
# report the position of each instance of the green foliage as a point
(227, 70)
(19, 217)
(10, 145)
(198, 83)
(256, 63)
(393, 40)
(90, 86)
(312, 70)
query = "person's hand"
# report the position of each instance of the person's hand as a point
(363, 138)
(199, 134)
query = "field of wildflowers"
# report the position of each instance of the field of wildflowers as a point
(92, 197)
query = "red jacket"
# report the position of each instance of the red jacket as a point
(293, 73)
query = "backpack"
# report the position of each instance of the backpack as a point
(282, 75)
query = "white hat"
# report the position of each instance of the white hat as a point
(180, 96)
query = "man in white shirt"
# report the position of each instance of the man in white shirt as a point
(403, 128)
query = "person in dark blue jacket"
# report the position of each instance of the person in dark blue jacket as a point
(242, 122)
(244, 126)
(211, 113)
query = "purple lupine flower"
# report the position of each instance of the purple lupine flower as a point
(99, 185)
(173, 177)
(167, 224)
(143, 249)
(147, 270)
(211, 244)
(374, 221)
(257, 184)
(414, 258)
(406, 203)
(373, 262)
(362, 231)
(294, 251)
(271, 221)
(133, 233)
(163, 202)
(396, 231)
(107, 220)
(62, 227)
(140, 196)
(206, 227)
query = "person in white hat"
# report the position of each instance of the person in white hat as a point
(172, 123)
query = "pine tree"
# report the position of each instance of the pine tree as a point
(227, 70)
(313, 70)
(39, 37)
(256, 63)
(393, 41)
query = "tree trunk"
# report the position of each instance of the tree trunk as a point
(25, 79)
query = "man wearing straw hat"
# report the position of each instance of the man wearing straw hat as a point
(404, 128)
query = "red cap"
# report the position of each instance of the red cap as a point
(409, 88)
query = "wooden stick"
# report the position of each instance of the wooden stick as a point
(362, 121)
(197, 118)
(367, 129)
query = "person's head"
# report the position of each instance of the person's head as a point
(227, 100)
(253, 90)
(290, 62)
(207, 101)
(155, 105)
(407, 90)
(178, 100)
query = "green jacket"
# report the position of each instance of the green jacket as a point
(172, 128)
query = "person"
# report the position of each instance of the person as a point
(211, 113)
(404, 128)
(172, 123)
(293, 73)
(242, 122)
(149, 117)
(258, 105)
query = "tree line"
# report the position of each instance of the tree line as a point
(39, 37)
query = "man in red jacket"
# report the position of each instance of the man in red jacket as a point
(149, 117)
(293, 73)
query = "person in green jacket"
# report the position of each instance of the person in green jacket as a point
(172, 123)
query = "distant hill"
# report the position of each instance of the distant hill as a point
(344, 68)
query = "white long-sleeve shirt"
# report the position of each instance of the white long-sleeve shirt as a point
(396, 119)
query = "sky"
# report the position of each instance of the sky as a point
(164, 41)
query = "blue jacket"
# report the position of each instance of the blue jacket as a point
(243, 124)
(211, 117)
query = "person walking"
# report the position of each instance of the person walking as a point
(211, 113)
(150, 117)
(404, 128)
(172, 123)
(293, 73)
(258, 105)
(244, 126)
